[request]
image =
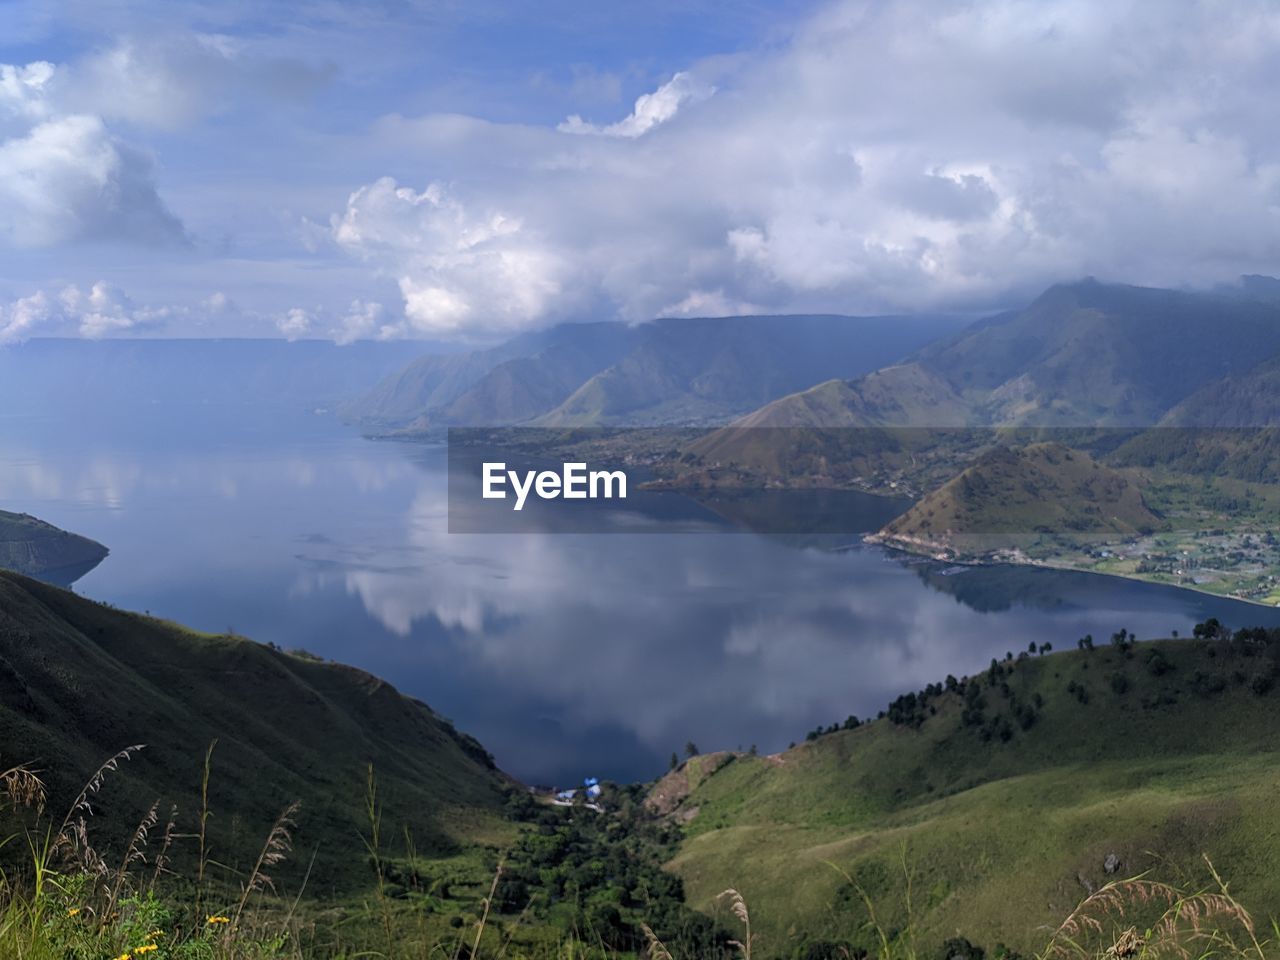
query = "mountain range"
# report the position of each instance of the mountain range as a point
(1085, 354)
(665, 372)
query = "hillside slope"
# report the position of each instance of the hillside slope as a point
(80, 681)
(1010, 493)
(39, 549)
(1085, 354)
(1007, 798)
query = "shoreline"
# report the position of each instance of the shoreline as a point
(896, 545)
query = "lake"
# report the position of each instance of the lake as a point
(565, 654)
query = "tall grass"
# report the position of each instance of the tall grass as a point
(65, 899)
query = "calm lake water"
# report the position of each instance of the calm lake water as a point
(565, 654)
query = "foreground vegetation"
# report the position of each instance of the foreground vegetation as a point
(1016, 792)
(967, 821)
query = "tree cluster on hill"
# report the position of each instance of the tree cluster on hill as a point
(601, 874)
(993, 707)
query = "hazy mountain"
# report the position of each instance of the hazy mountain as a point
(430, 385)
(1248, 399)
(40, 549)
(1082, 354)
(663, 372)
(96, 376)
(690, 371)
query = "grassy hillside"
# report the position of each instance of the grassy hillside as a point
(1010, 494)
(39, 549)
(1005, 799)
(80, 681)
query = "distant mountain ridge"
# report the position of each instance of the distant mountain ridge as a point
(667, 371)
(244, 377)
(1084, 354)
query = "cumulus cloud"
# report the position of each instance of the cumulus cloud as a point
(20, 319)
(457, 268)
(99, 310)
(294, 323)
(888, 156)
(651, 109)
(66, 177)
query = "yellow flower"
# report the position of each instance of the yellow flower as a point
(124, 956)
(72, 911)
(145, 948)
(218, 920)
(154, 934)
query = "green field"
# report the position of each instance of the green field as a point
(999, 839)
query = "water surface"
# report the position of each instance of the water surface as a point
(565, 654)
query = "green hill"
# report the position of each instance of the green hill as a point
(40, 549)
(995, 804)
(1010, 494)
(79, 681)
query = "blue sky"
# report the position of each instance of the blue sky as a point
(468, 170)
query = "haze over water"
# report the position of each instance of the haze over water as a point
(565, 655)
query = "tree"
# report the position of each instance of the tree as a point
(691, 749)
(675, 760)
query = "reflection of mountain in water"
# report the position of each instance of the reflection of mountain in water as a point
(1002, 587)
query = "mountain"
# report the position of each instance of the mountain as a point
(988, 808)
(701, 370)
(79, 681)
(238, 377)
(665, 372)
(1011, 493)
(40, 549)
(1085, 354)
(525, 375)
(1247, 399)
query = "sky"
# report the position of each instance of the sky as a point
(358, 169)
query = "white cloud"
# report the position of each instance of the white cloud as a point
(457, 270)
(367, 321)
(294, 323)
(889, 156)
(23, 89)
(651, 109)
(99, 310)
(20, 319)
(65, 177)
